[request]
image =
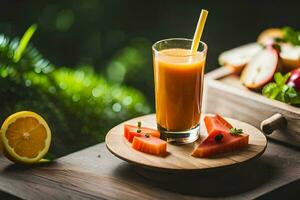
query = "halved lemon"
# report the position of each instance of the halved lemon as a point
(26, 137)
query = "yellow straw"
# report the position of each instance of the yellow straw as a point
(199, 30)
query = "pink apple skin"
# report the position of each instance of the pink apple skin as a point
(269, 71)
(294, 79)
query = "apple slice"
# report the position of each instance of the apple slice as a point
(290, 55)
(267, 36)
(238, 57)
(261, 69)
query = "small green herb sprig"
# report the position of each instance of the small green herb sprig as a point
(280, 91)
(236, 131)
(140, 131)
(139, 127)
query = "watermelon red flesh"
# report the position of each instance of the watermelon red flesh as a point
(131, 135)
(130, 132)
(223, 121)
(216, 124)
(150, 145)
(228, 143)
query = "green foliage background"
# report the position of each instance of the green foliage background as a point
(79, 104)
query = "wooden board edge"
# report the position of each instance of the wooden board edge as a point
(181, 170)
(212, 80)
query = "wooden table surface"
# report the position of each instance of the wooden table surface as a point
(94, 173)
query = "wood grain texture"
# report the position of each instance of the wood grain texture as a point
(248, 106)
(179, 156)
(94, 173)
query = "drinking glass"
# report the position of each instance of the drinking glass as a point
(178, 77)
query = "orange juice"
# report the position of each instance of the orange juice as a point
(178, 78)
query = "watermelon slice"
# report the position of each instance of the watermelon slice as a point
(216, 124)
(150, 145)
(219, 140)
(130, 132)
(223, 121)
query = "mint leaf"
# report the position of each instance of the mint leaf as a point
(286, 77)
(291, 92)
(283, 94)
(271, 90)
(291, 95)
(236, 132)
(291, 35)
(278, 78)
(280, 91)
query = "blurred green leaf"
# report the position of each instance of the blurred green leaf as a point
(64, 20)
(24, 42)
(291, 35)
(271, 90)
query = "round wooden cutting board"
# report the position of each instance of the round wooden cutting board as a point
(179, 157)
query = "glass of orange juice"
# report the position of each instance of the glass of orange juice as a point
(178, 77)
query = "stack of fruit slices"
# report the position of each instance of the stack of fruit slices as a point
(145, 139)
(286, 39)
